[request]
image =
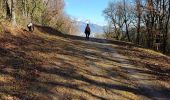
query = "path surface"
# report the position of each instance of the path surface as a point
(137, 76)
(46, 67)
(145, 82)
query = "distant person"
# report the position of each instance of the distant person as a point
(87, 31)
(30, 27)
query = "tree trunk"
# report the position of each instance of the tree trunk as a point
(127, 31)
(13, 9)
(165, 35)
(125, 15)
(8, 9)
(138, 30)
(33, 9)
(139, 13)
(1, 4)
(24, 11)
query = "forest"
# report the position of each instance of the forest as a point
(143, 22)
(42, 12)
(49, 62)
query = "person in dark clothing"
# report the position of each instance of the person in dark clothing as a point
(87, 31)
(30, 27)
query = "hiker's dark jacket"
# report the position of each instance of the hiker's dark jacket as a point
(87, 30)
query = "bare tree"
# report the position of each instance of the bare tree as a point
(13, 10)
(150, 18)
(167, 22)
(120, 15)
(126, 19)
(139, 15)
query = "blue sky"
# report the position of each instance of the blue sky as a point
(87, 10)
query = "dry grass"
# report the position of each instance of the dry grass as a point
(157, 64)
(44, 67)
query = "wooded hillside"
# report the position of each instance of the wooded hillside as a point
(43, 12)
(144, 22)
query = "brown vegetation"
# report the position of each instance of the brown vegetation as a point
(43, 65)
(43, 12)
(144, 22)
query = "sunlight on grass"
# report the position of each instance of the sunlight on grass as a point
(151, 51)
(40, 65)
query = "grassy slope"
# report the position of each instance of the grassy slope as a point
(42, 66)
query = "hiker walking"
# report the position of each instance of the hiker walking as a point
(87, 31)
(30, 27)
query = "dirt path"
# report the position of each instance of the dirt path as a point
(145, 82)
(110, 75)
(71, 68)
